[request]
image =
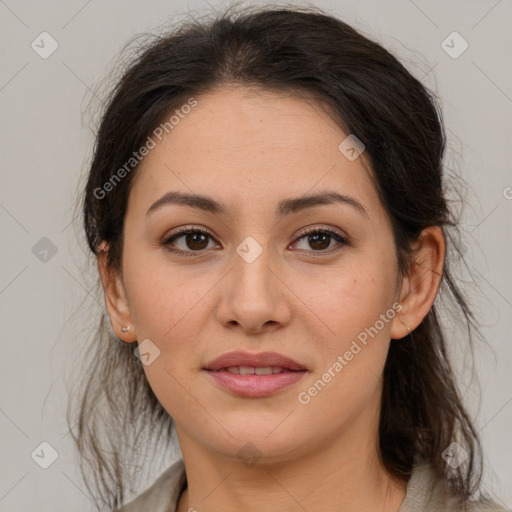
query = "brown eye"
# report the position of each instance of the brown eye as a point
(319, 240)
(196, 241)
(188, 241)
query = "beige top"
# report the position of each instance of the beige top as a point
(164, 494)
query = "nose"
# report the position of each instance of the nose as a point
(254, 296)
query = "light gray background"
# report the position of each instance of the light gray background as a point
(45, 143)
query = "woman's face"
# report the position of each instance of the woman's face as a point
(256, 282)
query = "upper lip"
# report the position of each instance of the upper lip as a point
(260, 360)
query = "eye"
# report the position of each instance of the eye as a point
(190, 241)
(319, 240)
(187, 241)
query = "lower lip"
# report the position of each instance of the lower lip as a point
(255, 386)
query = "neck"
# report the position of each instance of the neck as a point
(345, 471)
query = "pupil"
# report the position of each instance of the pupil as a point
(194, 238)
(319, 245)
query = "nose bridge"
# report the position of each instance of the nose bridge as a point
(252, 272)
(253, 299)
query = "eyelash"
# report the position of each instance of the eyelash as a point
(187, 230)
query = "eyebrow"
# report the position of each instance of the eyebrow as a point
(284, 207)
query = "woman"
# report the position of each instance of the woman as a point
(266, 205)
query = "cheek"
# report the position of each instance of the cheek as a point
(165, 303)
(169, 308)
(351, 296)
(355, 307)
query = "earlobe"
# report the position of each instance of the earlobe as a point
(420, 286)
(115, 298)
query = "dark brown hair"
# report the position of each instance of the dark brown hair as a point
(309, 53)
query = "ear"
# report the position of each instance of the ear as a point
(420, 286)
(115, 298)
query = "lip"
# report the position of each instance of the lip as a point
(258, 360)
(254, 386)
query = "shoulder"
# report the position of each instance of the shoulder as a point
(163, 494)
(425, 493)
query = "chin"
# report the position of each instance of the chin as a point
(257, 441)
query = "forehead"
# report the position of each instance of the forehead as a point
(252, 146)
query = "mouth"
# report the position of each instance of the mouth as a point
(254, 375)
(247, 361)
(254, 370)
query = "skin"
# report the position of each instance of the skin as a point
(251, 149)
